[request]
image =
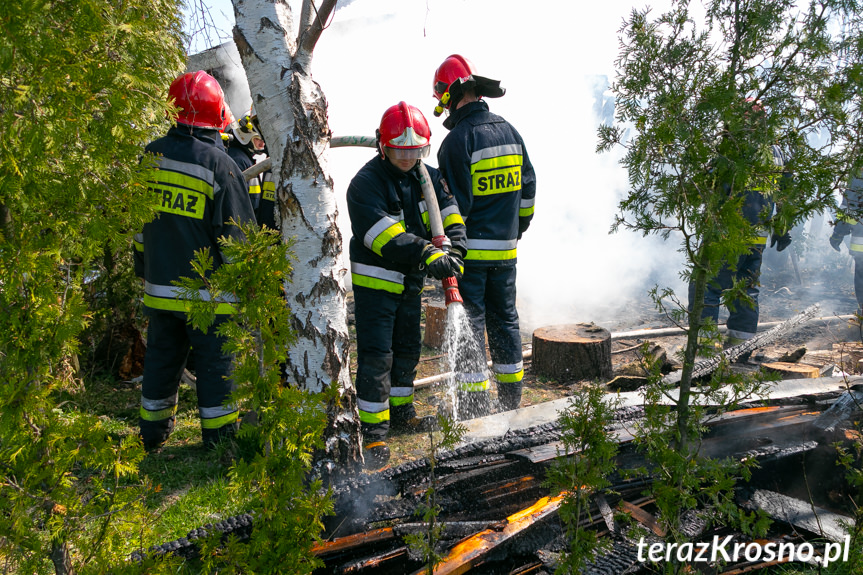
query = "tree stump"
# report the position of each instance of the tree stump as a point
(572, 352)
(435, 324)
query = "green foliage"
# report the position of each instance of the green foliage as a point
(82, 89)
(698, 145)
(425, 544)
(585, 471)
(284, 424)
(851, 460)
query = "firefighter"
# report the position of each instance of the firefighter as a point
(390, 254)
(485, 163)
(245, 143)
(197, 188)
(757, 208)
(847, 221)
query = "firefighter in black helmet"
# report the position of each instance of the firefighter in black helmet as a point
(485, 163)
(197, 188)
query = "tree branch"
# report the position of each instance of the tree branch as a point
(309, 37)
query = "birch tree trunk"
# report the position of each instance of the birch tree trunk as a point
(275, 45)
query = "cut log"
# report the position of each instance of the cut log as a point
(572, 352)
(435, 324)
(790, 370)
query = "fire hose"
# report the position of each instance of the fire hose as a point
(336, 142)
(439, 239)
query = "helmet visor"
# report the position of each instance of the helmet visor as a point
(407, 153)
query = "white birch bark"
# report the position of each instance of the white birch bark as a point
(275, 45)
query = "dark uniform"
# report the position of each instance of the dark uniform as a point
(485, 163)
(848, 222)
(742, 321)
(391, 236)
(198, 188)
(262, 188)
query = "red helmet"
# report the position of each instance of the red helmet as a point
(454, 68)
(455, 76)
(200, 100)
(404, 133)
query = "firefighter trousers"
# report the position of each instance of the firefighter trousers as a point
(169, 338)
(743, 318)
(389, 343)
(489, 295)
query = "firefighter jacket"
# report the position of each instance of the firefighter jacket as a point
(485, 163)
(197, 188)
(390, 226)
(262, 188)
(848, 219)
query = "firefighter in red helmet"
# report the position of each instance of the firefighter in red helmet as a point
(197, 189)
(485, 163)
(391, 253)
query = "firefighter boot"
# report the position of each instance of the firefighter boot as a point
(404, 418)
(472, 404)
(376, 455)
(509, 395)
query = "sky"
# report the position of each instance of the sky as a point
(554, 59)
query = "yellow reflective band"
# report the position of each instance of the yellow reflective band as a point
(760, 241)
(138, 246)
(846, 219)
(510, 377)
(217, 422)
(169, 304)
(396, 401)
(425, 219)
(270, 191)
(473, 386)
(856, 247)
(386, 235)
(377, 283)
(380, 417)
(434, 256)
(255, 190)
(158, 415)
(178, 201)
(452, 220)
(166, 178)
(524, 212)
(490, 255)
(496, 175)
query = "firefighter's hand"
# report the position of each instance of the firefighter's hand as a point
(781, 241)
(440, 265)
(836, 243)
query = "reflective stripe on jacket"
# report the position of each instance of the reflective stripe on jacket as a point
(197, 188)
(390, 226)
(484, 161)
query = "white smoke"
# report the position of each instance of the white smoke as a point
(554, 59)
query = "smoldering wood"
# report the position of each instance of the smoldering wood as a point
(572, 352)
(708, 366)
(800, 514)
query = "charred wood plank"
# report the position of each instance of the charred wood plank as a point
(708, 366)
(800, 514)
(642, 516)
(472, 551)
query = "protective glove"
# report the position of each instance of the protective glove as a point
(439, 264)
(781, 241)
(836, 243)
